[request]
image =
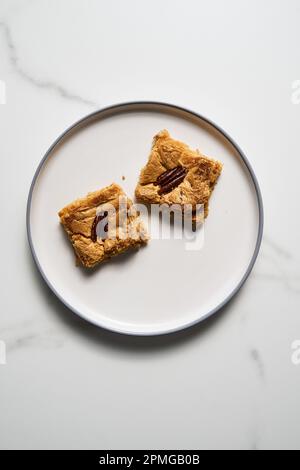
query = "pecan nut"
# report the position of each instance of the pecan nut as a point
(170, 179)
(96, 221)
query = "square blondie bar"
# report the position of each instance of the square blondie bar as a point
(175, 174)
(102, 224)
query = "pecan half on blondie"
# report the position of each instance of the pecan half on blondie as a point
(102, 224)
(175, 174)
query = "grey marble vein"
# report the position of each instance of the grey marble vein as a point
(30, 334)
(256, 356)
(43, 84)
(36, 340)
(255, 444)
(279, 265)
(277, 248)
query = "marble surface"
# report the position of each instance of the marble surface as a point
(230, 382)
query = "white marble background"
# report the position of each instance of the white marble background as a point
(229, 383)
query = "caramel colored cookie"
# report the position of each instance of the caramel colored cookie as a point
(101, 225)
(175, 174)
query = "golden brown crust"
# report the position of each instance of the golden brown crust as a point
(77, 219)
(167, 153)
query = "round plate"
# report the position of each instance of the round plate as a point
(165, 286)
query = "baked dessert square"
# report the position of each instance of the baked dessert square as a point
(102, 224)
(176, 174)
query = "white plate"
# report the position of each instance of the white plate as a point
(163, 287)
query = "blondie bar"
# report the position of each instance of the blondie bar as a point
(175, 174)
(102, 224)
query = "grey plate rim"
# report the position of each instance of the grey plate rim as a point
(122, 107)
